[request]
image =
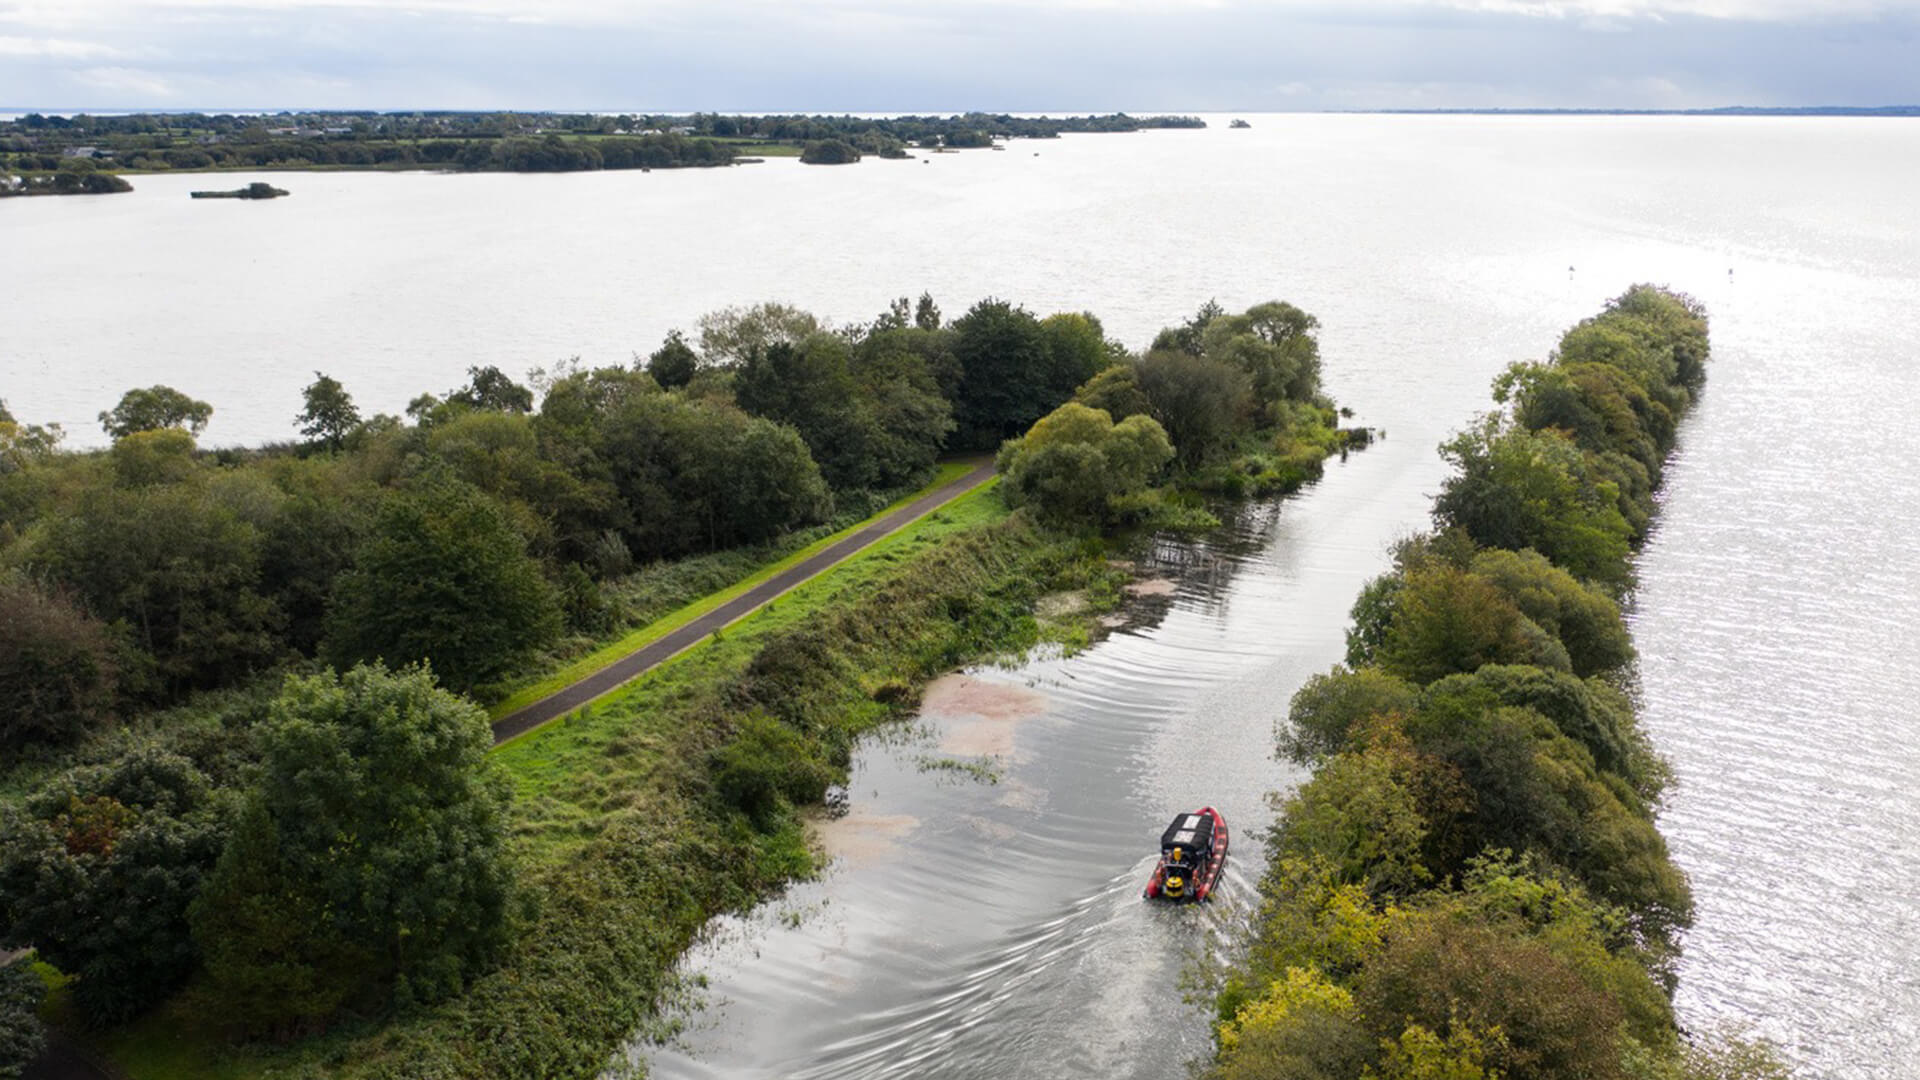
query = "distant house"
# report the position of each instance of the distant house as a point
(82, 151)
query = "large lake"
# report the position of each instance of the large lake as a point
(992, 930)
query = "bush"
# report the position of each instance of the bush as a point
(369, 866)
(766, 766)
(97, 871)
(21, 1035)
(57, 665)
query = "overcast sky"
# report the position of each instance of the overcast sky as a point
(951, 55)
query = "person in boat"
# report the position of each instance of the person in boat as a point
(1179, 876)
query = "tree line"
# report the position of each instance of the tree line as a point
(508, 142)
(1470, 885)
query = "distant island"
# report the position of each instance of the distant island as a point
(1239, 124)
(63, 182)
(255, 190)
(37, 144)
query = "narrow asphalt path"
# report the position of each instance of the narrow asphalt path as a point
(637, 663)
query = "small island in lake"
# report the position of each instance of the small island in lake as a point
(1239, 124)
(255, 190)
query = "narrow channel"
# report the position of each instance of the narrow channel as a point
(970, 928)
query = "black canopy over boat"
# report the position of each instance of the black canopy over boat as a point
(1193, 852)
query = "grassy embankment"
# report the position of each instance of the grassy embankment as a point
(627, 843)
(670, 584)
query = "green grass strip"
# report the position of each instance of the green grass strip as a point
(666, 624)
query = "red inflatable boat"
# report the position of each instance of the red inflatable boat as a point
(1193, 853)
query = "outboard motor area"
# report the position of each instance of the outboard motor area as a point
(1193, 850)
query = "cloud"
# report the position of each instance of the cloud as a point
(947, 55)
(55, 48)
(130, 83)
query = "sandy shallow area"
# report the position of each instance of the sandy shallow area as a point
(978, 718)
(1152, 587)
(860, 837)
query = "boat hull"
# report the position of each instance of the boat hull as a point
(1206, 875)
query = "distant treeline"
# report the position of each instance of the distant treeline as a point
(1471, 885)
(511, 142)
(66, 182)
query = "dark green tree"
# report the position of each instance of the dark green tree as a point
(444, 577)
(672, 365)
(57, 664)
(329, 415)
(926, 314)
(21, 1035)
(1202, 403)
(489, 388)
(1004, 362)
(97, 871)
(155, 407)
(370, 866)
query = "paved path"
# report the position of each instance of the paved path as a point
(635, 664)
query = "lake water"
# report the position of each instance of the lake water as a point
(975, 929)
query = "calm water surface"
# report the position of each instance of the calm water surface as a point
(994, 929)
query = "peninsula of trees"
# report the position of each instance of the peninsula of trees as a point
(1471, 885)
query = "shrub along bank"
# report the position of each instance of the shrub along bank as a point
(1471, 885)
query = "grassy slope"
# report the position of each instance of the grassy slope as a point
(658, 628)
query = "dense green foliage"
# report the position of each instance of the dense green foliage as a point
(329, 416)
(829, 152)
(1235, 398)
(21, 1035)
(442, 577)
(368, 862)
(97, 869)
(1471, 885)
(1076, 464)
(153, 408)
(57, 664)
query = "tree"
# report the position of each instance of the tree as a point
(97, 871)
(155, 407)
(442, 577)
(1519, 489)
(1115, 391)
(1077, 349)
(176, 565)
(489, 388)
(57, 664)
(1330, 707)
(1582, 616)
(21, 1035)
(1077, 465)
(1201, 403)
(1447, 620)
(329, 414)
(730, 335)
(926, 314)
(829, 152)
(371, 862)
(672, 365)
(1004, 361)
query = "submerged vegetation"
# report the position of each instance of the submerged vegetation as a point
(249, 813)
(1471, 885)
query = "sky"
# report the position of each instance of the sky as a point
(955, 55)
